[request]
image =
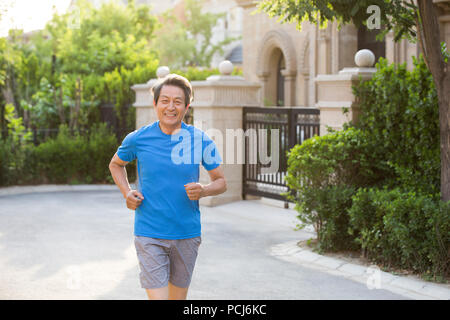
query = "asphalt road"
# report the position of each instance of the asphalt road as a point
(80, 245)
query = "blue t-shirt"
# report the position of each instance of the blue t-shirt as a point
(165, 164)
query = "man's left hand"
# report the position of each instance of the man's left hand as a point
(194, 190)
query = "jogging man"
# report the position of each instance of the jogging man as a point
(167, 218)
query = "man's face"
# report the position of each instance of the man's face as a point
(171, 108)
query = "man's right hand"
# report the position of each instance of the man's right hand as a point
(134, 199)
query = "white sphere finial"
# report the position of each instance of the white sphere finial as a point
(162, 71)
(226, 67)
(364, 58)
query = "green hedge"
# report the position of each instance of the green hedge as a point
(324, 172)
(402, 229)
(68, 158)
(341, 185)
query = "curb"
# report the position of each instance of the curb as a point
(371, 276)
(9, 191)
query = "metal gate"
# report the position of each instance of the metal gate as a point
(277, 129)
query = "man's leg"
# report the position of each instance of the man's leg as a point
(171, 292)
(182, 261)
(177, 293)
(153, 256)
(158, 293)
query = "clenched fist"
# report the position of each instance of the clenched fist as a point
(134, 199)
(194, 190)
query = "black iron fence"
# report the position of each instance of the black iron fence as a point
(275, 131)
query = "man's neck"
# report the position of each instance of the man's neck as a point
(169, 129)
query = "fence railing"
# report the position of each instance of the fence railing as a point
(294, 125)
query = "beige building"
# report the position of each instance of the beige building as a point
(287, 62)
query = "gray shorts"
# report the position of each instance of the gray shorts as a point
(162, 260)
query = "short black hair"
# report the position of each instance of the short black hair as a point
(175, 80)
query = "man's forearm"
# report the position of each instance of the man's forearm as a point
(119, 175)
(216, 187)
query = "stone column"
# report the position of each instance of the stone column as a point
(324, 48)
(263, 79)
(217, 108)
(145, 112)
(289, 88)
(335, 92)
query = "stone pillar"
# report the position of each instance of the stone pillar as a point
(289, 88)
(145, 112)
(335, 92)
(264, 80)
(217, 108)
(324, 48)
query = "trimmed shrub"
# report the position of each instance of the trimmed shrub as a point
(68, 158)
(73, 158)
(61, 160)
(402, 229)
(324, 173)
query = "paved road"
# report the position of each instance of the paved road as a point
(79, 245)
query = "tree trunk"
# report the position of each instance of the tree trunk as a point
(444, 120)
(441, 76)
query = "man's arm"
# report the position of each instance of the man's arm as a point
(119, 175)
(217, 186)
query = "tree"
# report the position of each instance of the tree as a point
(61, 74)
(105, 55)
(415, 20)
(188, 41)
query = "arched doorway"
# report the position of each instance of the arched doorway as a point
(274, 93)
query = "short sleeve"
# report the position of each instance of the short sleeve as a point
(127, 150)
(211, 158)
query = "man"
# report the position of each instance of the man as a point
(167, 218)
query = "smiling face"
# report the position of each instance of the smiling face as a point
(170, 108)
